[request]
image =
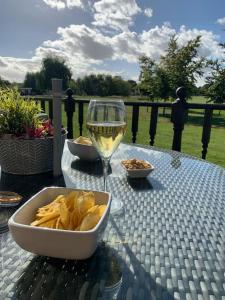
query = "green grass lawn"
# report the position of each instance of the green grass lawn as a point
(191, 141)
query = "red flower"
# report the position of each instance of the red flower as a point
(48, 127)
(45, 129)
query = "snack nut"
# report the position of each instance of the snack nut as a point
(136, 164)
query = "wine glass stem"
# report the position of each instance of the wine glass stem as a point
(105, 162)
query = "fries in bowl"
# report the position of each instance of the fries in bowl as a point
(76, 211)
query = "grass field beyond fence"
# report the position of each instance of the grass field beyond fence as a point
(191, 141)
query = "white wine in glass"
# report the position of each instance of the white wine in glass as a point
(106, 124)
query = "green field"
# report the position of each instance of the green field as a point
(191, 141)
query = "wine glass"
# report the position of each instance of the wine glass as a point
(106, 123)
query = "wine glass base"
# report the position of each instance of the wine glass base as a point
(117, 207)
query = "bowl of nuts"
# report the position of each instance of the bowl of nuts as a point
(137, 168)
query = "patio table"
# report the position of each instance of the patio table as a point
(167, 243)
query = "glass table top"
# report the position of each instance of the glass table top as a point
(168, 243)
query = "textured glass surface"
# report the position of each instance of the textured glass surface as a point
(169, 242)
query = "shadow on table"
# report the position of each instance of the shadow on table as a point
(147, 286)
(93, 168)
(47, 278)
(103, 276)
(144, 184)
(140, 184)
(28, 185)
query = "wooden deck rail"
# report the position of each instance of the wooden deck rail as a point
(179, 115)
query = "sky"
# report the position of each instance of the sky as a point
(103, 36)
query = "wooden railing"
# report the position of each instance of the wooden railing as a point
(179, 113)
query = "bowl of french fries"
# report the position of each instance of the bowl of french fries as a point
(61, 222)
(83, 148)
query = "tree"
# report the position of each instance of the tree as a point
(154, 80)
(35, 81)
(4, 83)
(30, 81)
(134, 86)
(103, 85)
(79, 87)
(73, 86)
(109, 85)
(215, 90)
(147, 77)
(178, 67)
(54, 67)
(182, 65)
(120, 87)
(215, 83)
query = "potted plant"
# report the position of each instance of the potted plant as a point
(26, 140)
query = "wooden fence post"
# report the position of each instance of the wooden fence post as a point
(135, 117)
(43, 105)
(206, 131)
(69, 109)
(57, 122)
(50, 109)
(81, 117)
(153, 124)
(178, 117)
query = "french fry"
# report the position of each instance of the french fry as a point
(101, 209)
(89, 221)
(84, 202)
(74, 219)
(59, 224)
(64, 214)
(50, 224)
(45, 219)
(71, 200)
(92, 209)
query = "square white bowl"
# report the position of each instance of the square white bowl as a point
(84, 152)
(58, 243)
(138, 173)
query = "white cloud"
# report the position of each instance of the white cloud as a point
(74, 3)
(221, 21)
(115, 14)
(209, 42)
(3, 64)
(155, 41)
(61, 4)
(87, 49)
(148, 12)
(14, 69)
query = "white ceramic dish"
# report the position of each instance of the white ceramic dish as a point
(84, 152)
(138, 173)
(58, 243)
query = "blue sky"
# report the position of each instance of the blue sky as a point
(105, 35)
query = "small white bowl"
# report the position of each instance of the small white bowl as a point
(58, 243)
(138, 173)
(84, 152)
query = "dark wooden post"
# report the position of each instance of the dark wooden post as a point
(153, 124)
(135, 117)
(81, 116)
(178, 117)
(69, 109)
(206, 131)
(43, 105)
(50, 109)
